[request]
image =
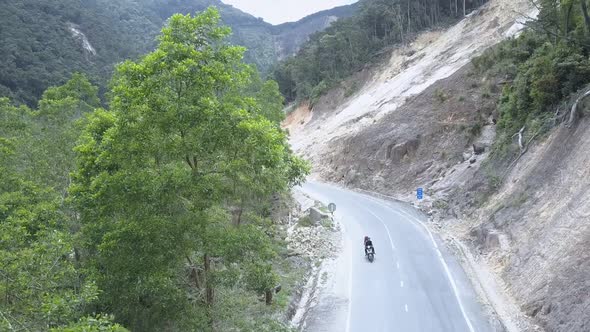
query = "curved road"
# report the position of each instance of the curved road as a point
(413, 284)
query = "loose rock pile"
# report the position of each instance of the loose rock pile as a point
(318, 241)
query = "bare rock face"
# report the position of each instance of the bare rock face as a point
(81, 37)
(537, 230)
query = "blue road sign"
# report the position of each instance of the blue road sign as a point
(420, 193)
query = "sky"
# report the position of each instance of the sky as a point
(281, 11)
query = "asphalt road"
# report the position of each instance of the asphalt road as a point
(413, 284)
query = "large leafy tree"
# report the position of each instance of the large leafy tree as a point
(160, 174)
(40, 281)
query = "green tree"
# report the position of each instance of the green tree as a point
(58, 123)
(159, 173)
(40, 286)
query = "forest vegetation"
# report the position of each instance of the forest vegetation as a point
(45, 41)
(351, 44)
(544, 70)
(152, 214)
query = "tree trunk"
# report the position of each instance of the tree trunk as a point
(208, 287)
(568, 15)
(237, 213)
(268, 297)
(585, 12)
(400, 22)
(573, 111)
(409, 19)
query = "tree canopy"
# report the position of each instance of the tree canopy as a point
(147, 212)
(543, 67)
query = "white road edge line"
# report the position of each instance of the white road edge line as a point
(445, 266)
(401, 284)
(406, 308)
(349, 313)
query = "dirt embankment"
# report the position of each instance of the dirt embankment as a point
(536, 230)
(418, 143)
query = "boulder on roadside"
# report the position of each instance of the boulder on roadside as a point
(316, 215)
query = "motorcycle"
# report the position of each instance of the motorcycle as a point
(370, 253)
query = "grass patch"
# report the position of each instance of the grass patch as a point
(475, 129)
(327, 223)
(519, 199)
(305, 222)
(440, 95)
(351, 89)
(441, 205)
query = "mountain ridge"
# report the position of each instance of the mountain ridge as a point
(40, 49)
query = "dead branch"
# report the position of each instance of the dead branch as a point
(519, 133)
(522, 152)
(532, 23)
(6, 320)
(574, 109)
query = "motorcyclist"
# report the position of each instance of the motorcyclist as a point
(368, 245)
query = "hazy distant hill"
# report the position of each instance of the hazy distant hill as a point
(44, 41)
(291, 36)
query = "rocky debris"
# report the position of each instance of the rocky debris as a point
(316, 241)
(316, 215)
(397, 152)
(478, 149)
(303, 200)
(310, 246)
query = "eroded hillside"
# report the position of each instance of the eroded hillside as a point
(428, 119)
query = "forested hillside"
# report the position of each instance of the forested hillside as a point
(45, 41)
(350, 44)
(542, 68)
(153, 214)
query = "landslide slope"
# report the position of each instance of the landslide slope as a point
(416, 122)
(412, 69)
